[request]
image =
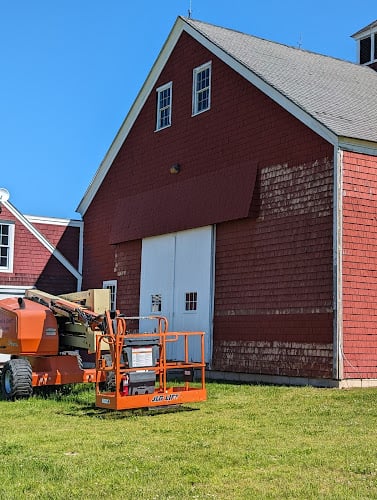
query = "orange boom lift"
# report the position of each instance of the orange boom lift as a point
(46, 337)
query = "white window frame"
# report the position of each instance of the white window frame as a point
(196, 93)
(113, 286)
(162, 109)
(11, 229)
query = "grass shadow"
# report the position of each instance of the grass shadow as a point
(103, 413)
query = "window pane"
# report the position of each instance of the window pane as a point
(112, 286)
(365, 48)
(202, 88)
(156, 303)
(4, 252)
(164, 118)
(203, 101)
(191, 302)
(164, 107)
(112, 296)
(203, 79)
(4, 245)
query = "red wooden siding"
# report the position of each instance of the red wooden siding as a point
(359, 265)
(128, 266)
(65, 238)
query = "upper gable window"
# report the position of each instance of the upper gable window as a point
(365, 50)
(201, 98)
(164, 104)
(6, 247)
(368, 49)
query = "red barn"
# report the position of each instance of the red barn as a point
(38, 252)
(240, 197)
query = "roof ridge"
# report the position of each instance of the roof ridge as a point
(194, 22)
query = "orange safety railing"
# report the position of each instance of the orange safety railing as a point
(113, 342)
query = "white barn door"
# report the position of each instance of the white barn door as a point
(176, 282)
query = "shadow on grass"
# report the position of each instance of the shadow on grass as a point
(80, 396)
(102, 413)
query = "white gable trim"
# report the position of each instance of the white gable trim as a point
(49, 246)
(54, 221)
(180, 26)
(13, 290)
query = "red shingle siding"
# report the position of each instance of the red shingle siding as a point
(55, 278)
(127, 271)
(99, 256)
(359, 265)
(288, 359)
(64, 237)
(274, 276)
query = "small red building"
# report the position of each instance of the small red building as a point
(38, 252)
(239, 197)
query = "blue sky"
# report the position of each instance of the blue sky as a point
(70, 71)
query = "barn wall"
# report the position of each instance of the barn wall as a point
(359, 265)
(267, 271)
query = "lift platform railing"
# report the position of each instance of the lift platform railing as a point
(136, 366)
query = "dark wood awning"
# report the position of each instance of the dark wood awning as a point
(211, 198)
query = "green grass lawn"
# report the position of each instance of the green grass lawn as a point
(244, 442)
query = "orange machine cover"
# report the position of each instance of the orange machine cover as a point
(31, 330)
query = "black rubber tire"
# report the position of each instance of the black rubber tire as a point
(16, 379)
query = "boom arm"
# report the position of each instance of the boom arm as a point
(67, 308)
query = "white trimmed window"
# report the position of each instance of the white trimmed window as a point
(201, 89)
(164, 105)
(6, 247)
(156, 303)
(191, 301)
(112, 286)
(368, 49)
(366, 40)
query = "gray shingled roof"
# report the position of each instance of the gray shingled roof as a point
(339, 94)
